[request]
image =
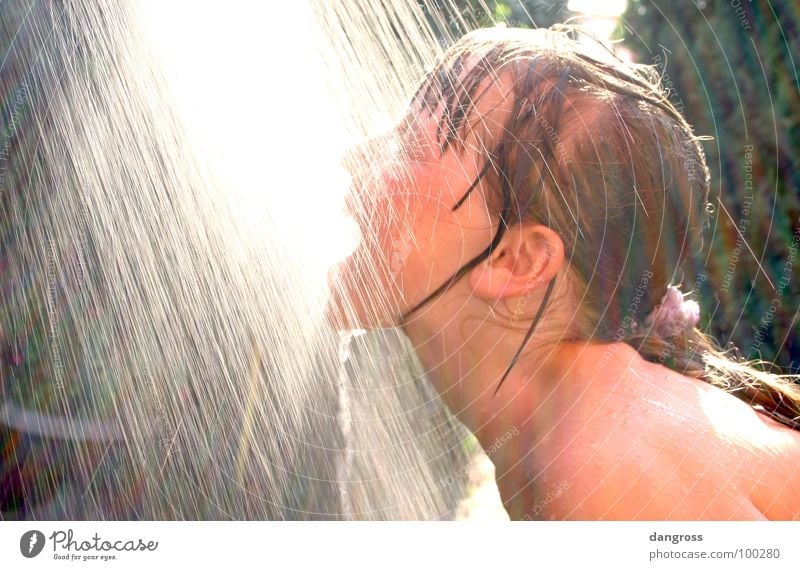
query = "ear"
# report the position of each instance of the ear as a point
(528, 256)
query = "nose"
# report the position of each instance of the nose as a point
(374, 164)
(360, 161)
(371, 151)
(354, 158)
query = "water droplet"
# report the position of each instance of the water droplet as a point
(709, 208)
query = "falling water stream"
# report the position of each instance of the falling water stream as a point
(169, 174)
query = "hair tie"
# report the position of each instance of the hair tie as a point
(674, 314)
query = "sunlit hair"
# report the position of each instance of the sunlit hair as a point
(593, 149)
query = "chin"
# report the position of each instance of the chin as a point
(353, 303)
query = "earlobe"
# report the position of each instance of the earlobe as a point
(527, 257)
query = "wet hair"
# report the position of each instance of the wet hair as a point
(593, 149)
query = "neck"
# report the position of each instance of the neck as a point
(466, 367)
(530, 412)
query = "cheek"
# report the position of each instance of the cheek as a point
(424, 244)
(412, 241)
(405, 235)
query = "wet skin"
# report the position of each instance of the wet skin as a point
(629, 439)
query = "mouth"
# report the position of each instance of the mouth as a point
(343, 239)
(352, 234)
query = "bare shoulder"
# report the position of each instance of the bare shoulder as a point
(669, 447)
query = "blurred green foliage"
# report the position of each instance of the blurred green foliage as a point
(459, 16)
(730, 69)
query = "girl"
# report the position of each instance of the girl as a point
(532, 225)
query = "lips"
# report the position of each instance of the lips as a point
(353, 236)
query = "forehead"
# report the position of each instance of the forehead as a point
(462, 109)
(482, 86)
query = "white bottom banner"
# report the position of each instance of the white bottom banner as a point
(370, 545)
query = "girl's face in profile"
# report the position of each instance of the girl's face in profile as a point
(402, 197)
